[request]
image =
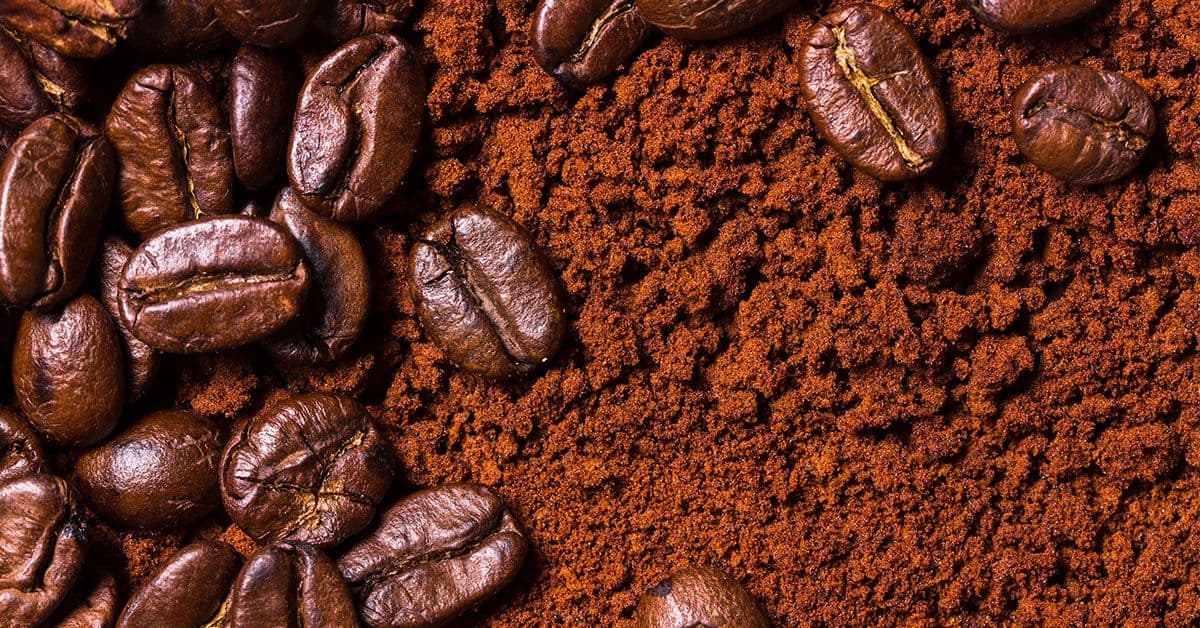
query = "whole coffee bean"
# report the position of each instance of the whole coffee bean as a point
(68, 373)
(35, 81)
(435, 555)
(698, 596)
(485, 295)
(93, 602)
(584, 41)
(1082, 125)
(76, 28)
(1026, 16)
(872, 95)
(709, 19)
(187, 591)
(177, 28)
(291, 585)
(55, 187)
(310, 469)
(342, 20)
(262, 97)
(356, 128)
(175, 159)
(141, 360)
(42, 546)
(212, 285)
(270, 23)
(21, 450)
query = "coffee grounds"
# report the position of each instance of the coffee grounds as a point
(975, 396)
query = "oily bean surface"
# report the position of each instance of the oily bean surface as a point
(1082, 125)
(262, 97)
(76, 28)
(141, 360)
(433, 556)
(42, 546)
(486, 296)
(35, 81)
(213, 284)
(293, 585)
(94, 601)
(1026, 16)
(709, 19)
(268, 23)
(178, 28)
(698, 596)
(343, 20)
(872, 95)
(21, 451)
(584, 41)
(187, 591)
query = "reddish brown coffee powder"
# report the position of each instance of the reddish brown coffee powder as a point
(968, 399)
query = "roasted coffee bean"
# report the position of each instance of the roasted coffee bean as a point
(337, 304)
(270, 23)
(1082, 125)
(709, 19)
(872, 95)
(55, 187)
(21, 450)
(213, 284)
(93, 602)
(188, 591)
(356, 128)
(584, 41)
(342, 20)
(76, 28)
(35, 81)
(290, 585)
(68, 373)
(1026, 16)
(141, 360)
(175, 159)
(42, 546)
(178, 28)
(486, 296)
(434, 555)
(262, 97)
(310, 469)
(699, 596)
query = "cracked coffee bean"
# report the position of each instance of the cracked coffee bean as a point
(267, 23)
(21, 450)
(55, 187)
(76, 28)
(290, 585)
(1026, 16)
(262, 96)
(434, 555)
(872, 95)
(343, 20)
(311, 469)
(213, 284)
(699, 20)
(699, 596)
(486, 296)
(35, 81)
(1083, 126)
(141, 360)
(42, 546)
(187, 28)
(584, 41)
(175, 160)
(93, 602)
(187, 591)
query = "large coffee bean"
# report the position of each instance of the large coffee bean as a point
(76, 28)
(356, 128)
(709, 19)
(1025, 16)
(269, 23)
(177, 28)
(93, 602)
(42, 546)
(434, 555)
(310, 469)
(175, 158)
(342, 20)
(584, 41)
(55, 187)
(699, 596)
(262, 97)
(290, 585)
(35, 81)
(486, 296)
(21, 450)
(141, 360)
(872, 95)
(213, 284)
(68, 373)
(1082, 125)
(188, 591)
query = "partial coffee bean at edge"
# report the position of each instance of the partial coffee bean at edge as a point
(699, 596)
(1027, 16)
(186, 591)
(700, 20)
(21, 451)
(76, 28)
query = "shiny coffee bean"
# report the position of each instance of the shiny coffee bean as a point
(141, 360)
(55, 187)
(42, 546)
(290, 585)
(356, 127)
(267, 23)
(21, 450)
(343, 20)
(699, 596)
(262, 97)
(177, 28)
(1026, 16)
(76, 28)
(68, 373)
(1082, 125)
(187, 591)
(310, 469)
(434, 555)
(93, 602)
(486, 296)
(213, 284)
(35, 81)
(175, 158)
(709, 19)
(584, 41)
(872, 95)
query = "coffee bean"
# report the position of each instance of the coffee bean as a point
(76, 28)
(311, 469)
(1026, 16)
(485, 295)
(35, 81)
(356, 128)
(343, 20)
(175, 158)
(290, 584)
(698, 596)
(583, 41)
(55, 187)
(262, 96)
(187, 591)
(1082, 125)
(212, 285)
(21, 450)
(186, 28)
(141, 360)
(434, 555)
(42, 546)
(709, 19)
(268, 23)
(68, 373)
(872, 95)
(93, 602)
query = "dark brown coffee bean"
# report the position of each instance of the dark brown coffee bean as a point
(268, 23)
(584, 41)
(21, 450)
(35, 81)
(343, 20)
(1026, 16)
(356, 128)
(76, 28)
(310, 469)
(42, 546)
(177, 28)
(709, 19)
(187, 591)
(141, 360)
(337, 304)
(175, 159)
(93, 602)
(1082, 125)
(290, 585)
(872, 95)
(55, 187)
(262, 97)
(486, 296)
(699, 596)
(213, 284)
(68, 373)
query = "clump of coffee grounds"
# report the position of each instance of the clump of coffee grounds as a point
(974, 397)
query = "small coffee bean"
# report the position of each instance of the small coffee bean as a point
(68, 373)
(356, 127)
(310, 469)
(21, 450)
(141, 360)
(187, 591)
(55, 187)
(699, 596)
(35, 81)
(709, 19)
(187, 28)
(583, 41)
(175, 158)
(213, 284)
(343, 20)
(269, 23)
(292, 585)
(1026, 16)
(42, 546)
(76, 28)
(262, 96)
(1082, 125)
(93, 602)
(434, 555)
(485, 295)
(872, 95)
